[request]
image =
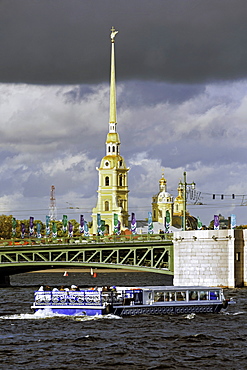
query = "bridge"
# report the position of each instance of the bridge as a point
(147, 253)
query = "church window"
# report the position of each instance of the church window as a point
(109, 148)
(107, 181)
(107, 206)
(120, 180)
(120, 163)
(113, 149)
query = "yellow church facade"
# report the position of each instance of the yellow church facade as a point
(164, 201)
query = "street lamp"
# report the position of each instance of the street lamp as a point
(185, 184)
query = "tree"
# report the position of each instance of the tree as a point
(5, 227)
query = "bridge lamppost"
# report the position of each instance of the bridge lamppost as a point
(185, 184)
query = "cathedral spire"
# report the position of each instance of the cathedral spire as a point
(112, 203)
(113, 105)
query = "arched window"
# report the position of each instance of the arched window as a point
(113, 149)
(107, 181)
(120, 180)
(106, 205)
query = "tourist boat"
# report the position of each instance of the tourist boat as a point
(126, 301)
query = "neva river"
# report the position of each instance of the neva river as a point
(34, 341)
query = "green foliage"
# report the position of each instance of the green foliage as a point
(5, 227)
(211, 225)
(6, 224)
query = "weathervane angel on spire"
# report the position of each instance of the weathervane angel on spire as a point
(113, 34)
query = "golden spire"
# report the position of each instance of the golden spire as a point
(113, 105)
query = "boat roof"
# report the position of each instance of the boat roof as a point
(167, 287)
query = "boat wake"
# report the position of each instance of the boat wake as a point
(190, 316)
(48, 314)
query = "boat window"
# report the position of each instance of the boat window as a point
(180, 296)
(158, 296)
(214, 295)
(193, 295)
(170, 296)
(203, 295)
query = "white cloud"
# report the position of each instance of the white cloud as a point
(56, 135)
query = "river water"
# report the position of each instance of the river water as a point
(45, 341)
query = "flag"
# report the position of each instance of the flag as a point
(116, 224)
(167, 221)
(81, 227)
(70, 230)
(199, 224)
(13, 226)
(150, 223)
(65, 223)
(54, 229)
(23, 230)
(47, 225)
(31, 228)
(102, 227)
(38, 230)
(233, 221)
(119, 227)
(133, 223)
(99, 231)
(216, 222)
(86, 232)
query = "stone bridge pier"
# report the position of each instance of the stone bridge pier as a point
(4, 280)
(210, 257)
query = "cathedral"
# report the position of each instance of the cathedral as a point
(165, 206)
(111, 210)
(164, 203)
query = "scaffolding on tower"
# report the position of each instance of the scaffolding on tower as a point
(53, 208)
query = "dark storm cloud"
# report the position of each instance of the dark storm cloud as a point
(67, 41)
(140, 93)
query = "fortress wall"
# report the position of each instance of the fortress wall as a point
(244, 258)
(208, 257)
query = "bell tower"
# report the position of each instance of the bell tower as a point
(113, 173)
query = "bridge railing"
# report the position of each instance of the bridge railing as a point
(94, 239)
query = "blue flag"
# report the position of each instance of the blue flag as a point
(133, 223)
(233, 221)
(150, 223)
(47, 225)
(216, 222)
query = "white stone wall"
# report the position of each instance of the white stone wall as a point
(204, 257)
(245, 257)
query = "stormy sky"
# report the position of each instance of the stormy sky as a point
(181, 102)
